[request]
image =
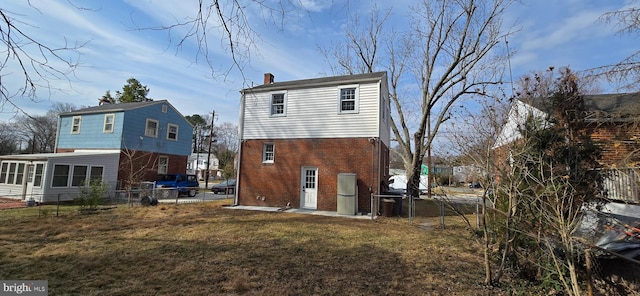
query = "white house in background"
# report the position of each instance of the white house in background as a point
(197, 165)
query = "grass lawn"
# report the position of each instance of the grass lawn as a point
(205, 249)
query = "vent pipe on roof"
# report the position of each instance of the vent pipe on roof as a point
(268, 78)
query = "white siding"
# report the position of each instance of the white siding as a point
(109, 174)
(312, 113)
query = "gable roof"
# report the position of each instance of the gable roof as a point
(315, 82)
(119, 107)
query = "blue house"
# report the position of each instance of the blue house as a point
(153, 138)
(117, 144)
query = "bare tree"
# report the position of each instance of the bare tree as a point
(231, 24)
(627, 71)
(36, 62)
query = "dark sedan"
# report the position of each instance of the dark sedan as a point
(227, 187)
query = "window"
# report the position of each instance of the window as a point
(75, 124)
(12, 173)
(60, 175)
(278, 104)
(108, 123)
(3, 172)
(37, 177)
(164, 108)
(20, 173)
(172, 132)
(268, 153)
(96, 174)
(163, 165)
(151, 129)
(79, 175)
(348, 100)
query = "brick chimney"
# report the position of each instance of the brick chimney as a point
(268, 78)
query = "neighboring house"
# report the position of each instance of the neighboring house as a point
(468, 173)
(197, 165)
(614, 127)
(298, 136)
(110, 142)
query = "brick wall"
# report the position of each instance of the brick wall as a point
(279, 182)
(618, 143)
(145, 165)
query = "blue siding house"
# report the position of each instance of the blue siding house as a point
(152, 135)
(118, 144)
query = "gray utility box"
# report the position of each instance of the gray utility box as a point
(347, 194)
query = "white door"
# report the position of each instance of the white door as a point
(309, 181)
(28, 189)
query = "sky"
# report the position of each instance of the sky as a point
(116, 43)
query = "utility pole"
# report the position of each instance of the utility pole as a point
(206, 178)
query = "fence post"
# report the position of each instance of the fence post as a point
(58, 205)
(442, 213)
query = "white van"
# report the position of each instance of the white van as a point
(400, 182)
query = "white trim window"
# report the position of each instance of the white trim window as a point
(172, 132)
(37, 176)
(79, 175)
(60, 175)
(278, 104)
(268, 153)
(348, 99)
(163, 165)
(75, 124)
(95, 175)
(164, 108)
(108, 123)
(151, 128)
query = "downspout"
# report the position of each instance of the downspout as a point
(55, 147)
(240, 139)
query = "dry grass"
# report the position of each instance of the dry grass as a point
(204, 249)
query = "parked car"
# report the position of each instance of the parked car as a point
(475, 185)
(186, 184)
(227, 187)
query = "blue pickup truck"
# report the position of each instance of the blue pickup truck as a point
(186, 184)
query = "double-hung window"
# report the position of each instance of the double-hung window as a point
(348, 99)
(172, 132)
(268, 154)
(278, 104)
(108, 123)
(75, 124)
(163, 165)
(151, 129)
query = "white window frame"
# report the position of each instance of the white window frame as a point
(164, 108)
(4, 172)
(53, 175)
(147, 131)
(163, 165)
(79, 180)
(92, 175)
(356, 99)
(169, 126)
(268, 156)
(75, 126)
(109, 122)
(284, 104)
(38, 175)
